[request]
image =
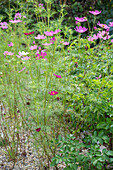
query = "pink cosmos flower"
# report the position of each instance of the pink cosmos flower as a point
(22, 69)
(8, 53)
(83, 19)
(11, 44)
(98, 77)
(25, 58)
(111, 24)
(33, 42)
(112, 40)
(41, 6)
(48, 33)
(38, 129)
(103, 25)
(103, 35)
(4, 25)
(52, 93)
(80, 29)
(41, 37)
(29, 33)
(58, 76)
(33, 47)
(47, 44)
(15, 21)
(65, 43)
(90, 38)
(95, 12)
(51, 33)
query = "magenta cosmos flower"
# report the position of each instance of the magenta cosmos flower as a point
(112, 40)
(11, 44)
(58, 76)
(52, 93)
(29, 33)
(83, 19)
(81, 29)
(38, 129)
(95, 12)
(103, 25)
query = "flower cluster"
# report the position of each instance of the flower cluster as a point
(4, 25)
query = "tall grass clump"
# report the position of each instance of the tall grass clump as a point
(56, 88)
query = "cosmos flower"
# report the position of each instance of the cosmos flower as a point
(103, 25)
(40, 37)
(8, 53)
(65, 43)
(29, 33)
(33, 47)
(111, 24)
(25, 58)
(52, 93)
(96, 12)
(47, 44)
(80, 29)
(4, 25)
(38, 129)
(11, 44)
(83, 19)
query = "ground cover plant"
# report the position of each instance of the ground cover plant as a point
(56, 86)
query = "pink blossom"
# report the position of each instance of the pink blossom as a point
(22, 69)
(83, 19)
(103, 25)
(111, 24)
(25, 58)
(80, 29)
(41, 37)
(11, 44)
(112, 40)
(51, 33)
(103, 35)
(96, 12)
(8, 53)
(33, 47)
(33, 42)
(58, 76)
(52, 93)
(15, 21)
(4, 25)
